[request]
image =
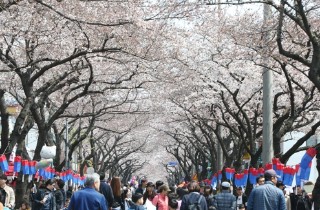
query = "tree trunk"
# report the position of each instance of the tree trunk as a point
(22, 192)
(316, 189)
(4, 124)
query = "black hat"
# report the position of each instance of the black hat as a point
(136, 197)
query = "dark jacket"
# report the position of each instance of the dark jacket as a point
(50, 203)
(192, 198)
(59, 199)
(106, 191)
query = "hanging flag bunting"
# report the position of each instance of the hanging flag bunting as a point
(279, 170)
(307, 157)
(229, 173)
(245, 177)
(214, 181)
(253, 174)
(268, 166)
(17, 164)
(4, 163)
(238, 181)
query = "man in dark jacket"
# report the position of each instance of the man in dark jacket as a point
(193, 198)
(106, 191)
(45, 198)
(59, 194)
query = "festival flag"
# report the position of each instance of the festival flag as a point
(268, 166)
(214, 181)
(32, 167)
(17, 164)
(229, 173)
(4, 163)
(238, 181)
(307, 157)
(25, 167)
(279, 170)
(253, 174)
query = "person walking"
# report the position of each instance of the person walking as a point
(225, 200)
(59, 194)
(161, 200)
(8, 197)
(194, 197)
(45, 198)
(106, 191)
(115, 185)
(89, 197)
(267, 196)
(241, 198)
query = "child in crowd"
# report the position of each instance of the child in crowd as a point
(25, 206)
(137, 200)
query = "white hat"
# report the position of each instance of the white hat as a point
(225, 184)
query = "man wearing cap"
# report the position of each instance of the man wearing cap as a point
(8, 197)
(194, 197)
(225, 200)
(267, 196)
(137, 202)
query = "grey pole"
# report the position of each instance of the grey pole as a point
(66, 145)
(267, 147)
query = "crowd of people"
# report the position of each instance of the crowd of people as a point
(100, 194)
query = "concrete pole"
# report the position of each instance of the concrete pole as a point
(267, 147)
(66, 145)
(219, 152)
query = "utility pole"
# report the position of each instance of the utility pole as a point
(267, 142)
(66, 145)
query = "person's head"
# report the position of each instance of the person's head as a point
(50, 184)
(173, 204)
(3, 179)
(207, 190)
(150, 187)
(260, 180)
(202, 185)
(181, 192)
(102, 176)
(225, 185)
(271, 175)
(126, 192)
(280, 185)
(59, 183)
(163, 189)
(137, 199)
(144, 182)
(193, 186)
(92, 180)
(239, 191)
(116, 186)
(158, 184)
(25, 205)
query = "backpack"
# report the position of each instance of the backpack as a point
(196, 205)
